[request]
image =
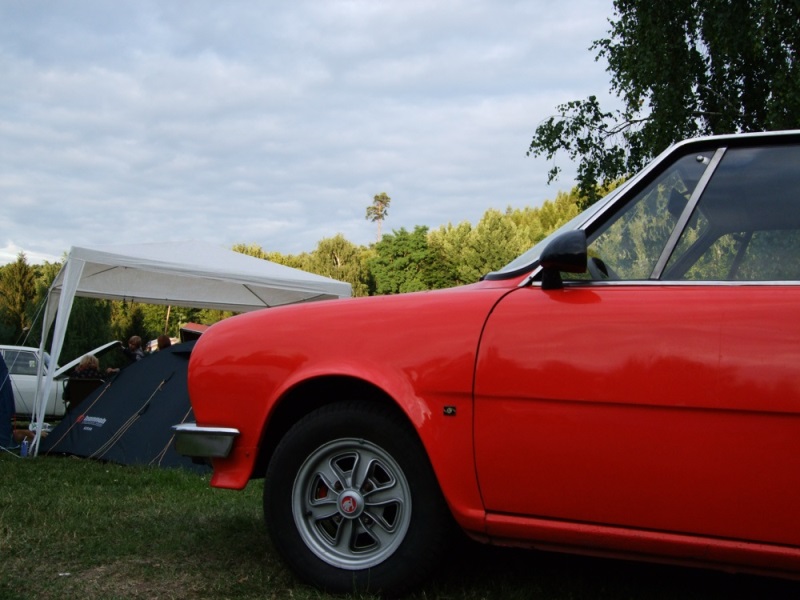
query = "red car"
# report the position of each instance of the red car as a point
(630, 386)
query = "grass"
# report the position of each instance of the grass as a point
(76, 528)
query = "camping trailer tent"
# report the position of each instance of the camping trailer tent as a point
(190, 274)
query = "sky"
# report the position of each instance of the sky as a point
(276, 123)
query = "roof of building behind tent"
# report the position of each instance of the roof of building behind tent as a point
(191, 331)
(195, 275)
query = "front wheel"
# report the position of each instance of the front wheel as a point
(351, 502)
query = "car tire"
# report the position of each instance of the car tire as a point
(351, 502)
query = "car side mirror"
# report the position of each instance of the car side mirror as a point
(567, 253)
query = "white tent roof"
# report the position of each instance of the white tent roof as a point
(195, 275)
(188, 274)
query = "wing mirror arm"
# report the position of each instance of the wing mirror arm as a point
(565, 253)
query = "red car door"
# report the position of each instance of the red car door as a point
(760, 391)
(592, 404)
(666, 407)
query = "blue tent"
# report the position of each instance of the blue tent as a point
(6, 407)
(129, 418)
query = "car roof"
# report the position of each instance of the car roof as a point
(61, 371)
(99, 351)
(29, 348)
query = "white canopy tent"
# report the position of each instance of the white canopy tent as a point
(189, 274)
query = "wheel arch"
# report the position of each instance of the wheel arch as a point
(446, 441)
(310, 395)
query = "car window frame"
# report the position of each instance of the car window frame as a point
(748, 230)
(19, 359)
(686, 215)
(527, 264)
(662, 267)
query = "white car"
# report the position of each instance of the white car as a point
(23, 363)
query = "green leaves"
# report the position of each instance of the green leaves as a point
(17, 288)
(587, 134)
(682, 68)
(403, 262)
(378, 210)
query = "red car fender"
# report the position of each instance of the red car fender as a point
(242, 368)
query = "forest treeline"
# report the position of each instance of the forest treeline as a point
(401, 261)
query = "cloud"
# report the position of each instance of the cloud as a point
(276, 123)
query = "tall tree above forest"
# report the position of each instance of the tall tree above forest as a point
(682, 68)
(378, 210)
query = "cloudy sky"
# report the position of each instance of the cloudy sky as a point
(276, 122)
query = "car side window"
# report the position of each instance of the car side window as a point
(750, 256)
(628, 245)
(746, 226)
(20, 362)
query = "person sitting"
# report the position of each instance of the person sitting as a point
(133, 352)
(88, 368)
(163, 341)
(75, 391)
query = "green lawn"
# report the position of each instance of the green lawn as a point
(75, 528)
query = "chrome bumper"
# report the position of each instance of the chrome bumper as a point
(203, 442)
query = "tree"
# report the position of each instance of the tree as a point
(250, 250)
(404, 262)
(295, 261)
(379, 210)
(162, 319)
(340, 259)
(681, 68)
(540, 221)
(17, 289)
(494, 242)
(89, 326)
(448, 243)
(128, 319)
